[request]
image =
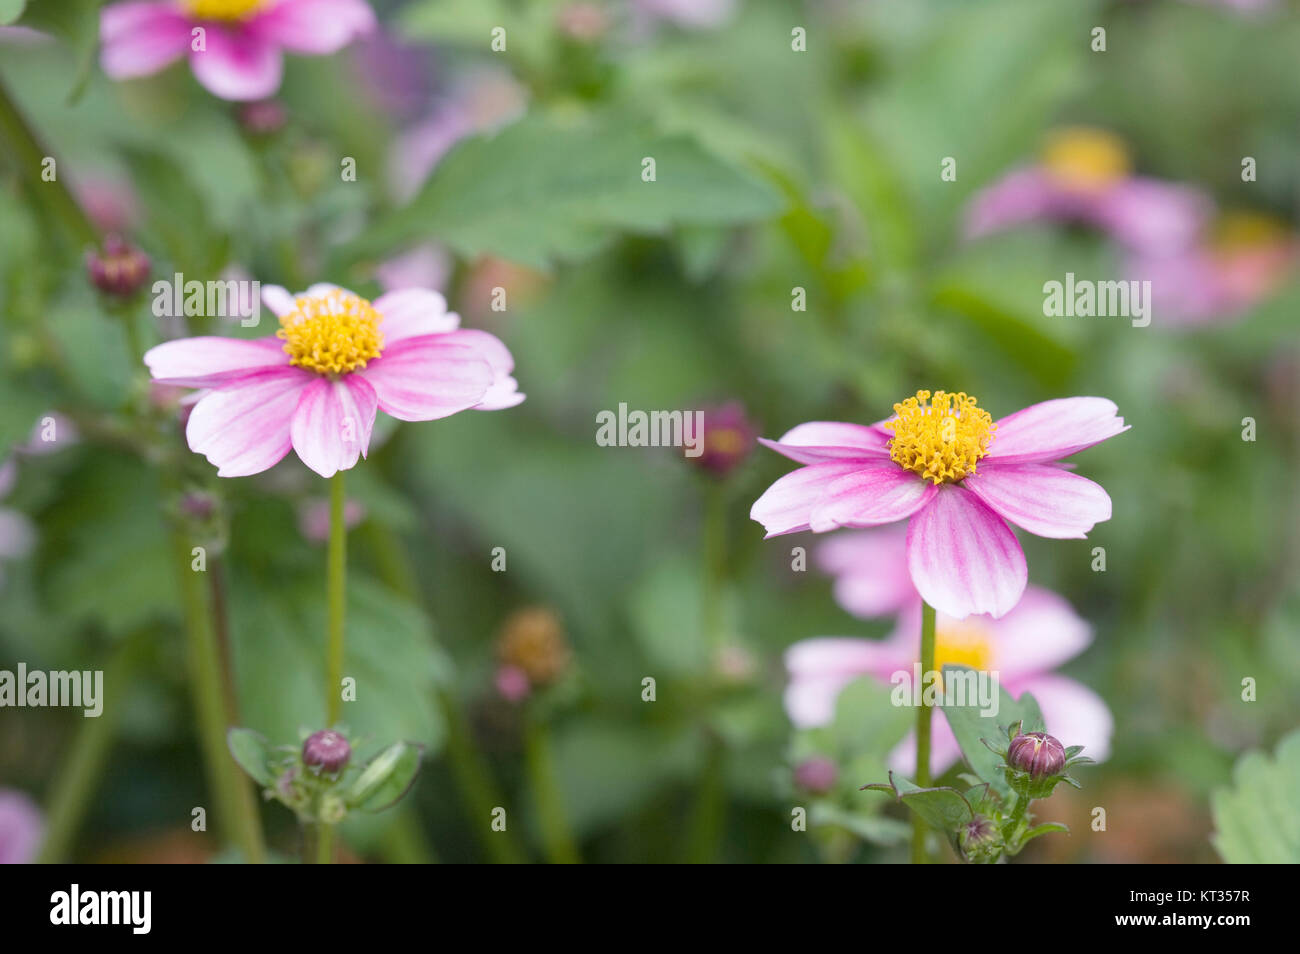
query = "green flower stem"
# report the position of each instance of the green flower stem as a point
(923, 731)
(405, 843)
(79, 775)
(236, 807)
(336, 571)
(30, 157)
(557, 837)
(324, 844)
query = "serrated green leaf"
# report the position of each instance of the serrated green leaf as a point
(943, 808)
(1257, 821)
(545, 190)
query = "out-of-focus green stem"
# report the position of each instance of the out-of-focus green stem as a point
(405, 843)
(557, 837)
(236, 807)
(336, 570)
(923, 730)
(324, 844)
(30, 156)
(79, 775)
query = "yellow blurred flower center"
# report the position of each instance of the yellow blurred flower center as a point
(941, 436)
(332, 333)
(725, 440)
(1086, 158)
(963, 643)
(222, 9)
(1239, 231)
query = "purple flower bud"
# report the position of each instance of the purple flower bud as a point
(816, 774)
(1037, 753)
(263, 117)
(729, 437)
(326, 750)
(979, 840)
(118, 269)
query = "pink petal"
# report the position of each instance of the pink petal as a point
(141, 38)
(1071, 711)
(279, 299)
(944, 750)
(1043, 499)
(411, 312)
(425, 378)
(870, 571)
(1054, 429)
(243, 428)
(830, 440)
(1041, 633)
(237, 64)
(820, 668)
(314, 26)
(963, 558)
(206, 362)
(786, 506)
(875, 493)
(331, 426)
(504, 391)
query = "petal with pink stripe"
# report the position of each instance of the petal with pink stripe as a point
(1045, 500)
(206, 362)
(429, 377)
(332, 423)
(1054, 429)
(786, 506)
(875, 493)
(243, 428)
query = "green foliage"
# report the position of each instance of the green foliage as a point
(1257, 821)
(972, 728)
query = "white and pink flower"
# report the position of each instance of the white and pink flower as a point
(235, 47)
(316, 385)
(958, 478)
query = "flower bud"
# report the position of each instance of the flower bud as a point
(1036, 753)
(979, 840)
(326, 751)
(532, 640)
(118, 269)
(816, 775)
(729, 437)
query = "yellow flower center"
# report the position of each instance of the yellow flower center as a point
(1247, 231)
(1086, 158)
(222, 9)
(332, 333)
(962, 643)
(941, 437)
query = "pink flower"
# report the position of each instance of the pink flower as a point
(238, 54)
(1023, 647)
(943, 464)
(1084, 177)
(1241, 261)
(21, 828)
(314, 517)
(316, 385)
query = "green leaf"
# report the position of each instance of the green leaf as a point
(386, 778)
(253, 753)
(178, 213)
(1043, 829)
(875, 829)
(76, 22)
(544, 190)
(969, 726)
(943, 808)
(1257, 821)
(10, 11)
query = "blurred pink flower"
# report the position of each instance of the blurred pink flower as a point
(316, 385)
(314, 517)
(1084, 176)
(512, 682)
(424, 266)
(21, 828)
(694, 14)
(729, 438)
(241, 54)
(921, 466)
(1023, 647)
(110, 201)
(1243, 260)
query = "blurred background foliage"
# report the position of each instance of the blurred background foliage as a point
(776, 169)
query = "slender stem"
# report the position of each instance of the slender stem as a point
(557, 837)
(79, 775)
(923, 729)
(337, 582)
(235, 805)
(324, 844)
(478, 790)
(708, 821)
(709, 817)
(31, 158)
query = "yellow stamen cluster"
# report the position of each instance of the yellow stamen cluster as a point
(1086, 158)
(532, 639)
(941, 437)
(222, 9)
(332, 333)
(962, 643)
